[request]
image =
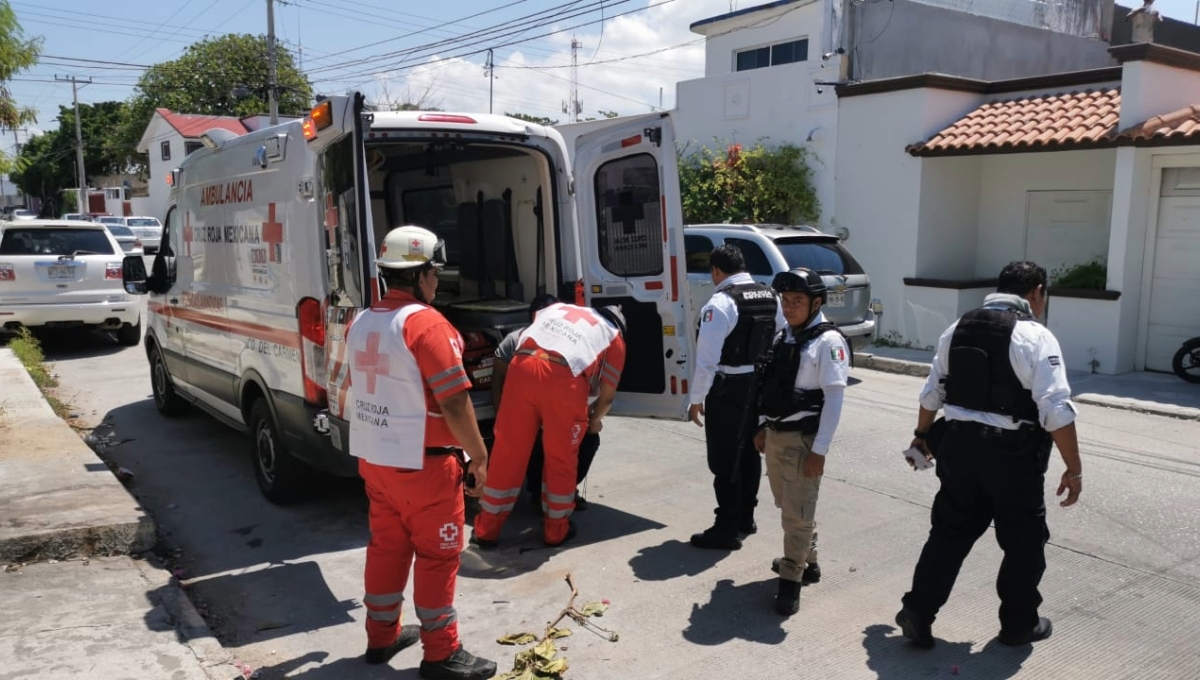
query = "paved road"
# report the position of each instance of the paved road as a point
(282, 586)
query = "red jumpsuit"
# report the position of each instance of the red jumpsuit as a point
(543, 391)
(414, 513)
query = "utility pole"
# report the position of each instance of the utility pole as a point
(574, 107)
(272, 85)
(490, 70)
(78, 141)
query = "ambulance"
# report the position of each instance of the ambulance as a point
(270, 240)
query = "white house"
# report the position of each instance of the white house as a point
(942, 180)
(172, 136)
(771, 70)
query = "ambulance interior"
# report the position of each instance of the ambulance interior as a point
(493, 206)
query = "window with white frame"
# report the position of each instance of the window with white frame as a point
(772, 55)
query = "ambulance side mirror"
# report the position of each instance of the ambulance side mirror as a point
(133, 274)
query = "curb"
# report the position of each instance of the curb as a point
(921, 370)
(57, 507)
(192, 629)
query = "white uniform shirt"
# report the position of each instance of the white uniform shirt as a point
(825, 365)
(717, 320)
(1037, 361)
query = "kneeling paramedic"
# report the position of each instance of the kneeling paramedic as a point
(1000, 375)
(412, 413)
(587, 447)
(560, 356)
(800, 402)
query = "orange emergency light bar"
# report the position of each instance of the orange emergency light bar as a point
(318, 119)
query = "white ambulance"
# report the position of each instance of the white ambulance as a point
(270, 241)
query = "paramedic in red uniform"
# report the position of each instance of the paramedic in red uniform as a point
(565, 351)
(411, 417)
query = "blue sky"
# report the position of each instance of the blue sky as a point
(329, 31)
(532, 77)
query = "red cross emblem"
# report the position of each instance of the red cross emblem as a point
(187, 233)
(416, 244)
(372, 362)
(575, 314)
(272, 235)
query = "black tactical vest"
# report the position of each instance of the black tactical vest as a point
(981, 375)
(750, 339)
(778, 396)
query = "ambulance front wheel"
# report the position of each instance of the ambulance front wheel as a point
(282, 478)
(166, 400)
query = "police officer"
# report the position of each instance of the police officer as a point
(736, 328)
(801, 403)
(413, 417)
(1000, 375)
(505, 352)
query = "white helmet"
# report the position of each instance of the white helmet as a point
(409, 247)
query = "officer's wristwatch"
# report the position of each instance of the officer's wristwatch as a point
(920, 434)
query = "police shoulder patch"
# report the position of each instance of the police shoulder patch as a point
(708, 315)
(1054, 361)
(837, 354)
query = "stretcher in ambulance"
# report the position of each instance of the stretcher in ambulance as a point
(271, 237)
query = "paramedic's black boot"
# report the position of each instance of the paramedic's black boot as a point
(409, 636)
(461, 665)
(787, 600)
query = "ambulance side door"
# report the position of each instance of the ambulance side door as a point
(342, 190)
(631, 235)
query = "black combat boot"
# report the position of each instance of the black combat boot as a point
(787, 601)
(409, 636)
(461, 665)
(717, 537)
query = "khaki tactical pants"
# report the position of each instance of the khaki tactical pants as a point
(795, 496)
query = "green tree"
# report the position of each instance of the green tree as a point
(759, 185)
(537, 120)
(16, 54)
(203, 80)
(48, 161)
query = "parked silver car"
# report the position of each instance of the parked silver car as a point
(129, 243)
(148, 229)
(772, 248)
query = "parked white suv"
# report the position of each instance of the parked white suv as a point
(59, 273)
(770, 249)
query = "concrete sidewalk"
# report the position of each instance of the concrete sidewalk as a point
(1160, 394)
(75, 604)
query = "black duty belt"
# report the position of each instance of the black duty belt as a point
(984, 431)
(441, 451)
(545, 356)
(806, 425)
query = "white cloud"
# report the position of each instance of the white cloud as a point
(614, 83)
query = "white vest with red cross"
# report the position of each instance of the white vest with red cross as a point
(577, 334)
(386, 402)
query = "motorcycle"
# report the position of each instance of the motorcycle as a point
(1186, 363)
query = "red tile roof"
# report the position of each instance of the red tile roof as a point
(192, 126)
(1065, 120)
(1180, 125)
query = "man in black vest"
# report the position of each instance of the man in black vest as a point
(736, 328)
(1000, 375)
(800, 401)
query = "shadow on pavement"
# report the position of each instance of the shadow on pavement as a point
(403, 667)
(75, 344)
(673, 559)
(262, 614)
(892, 658)
(521, 549)
(744, 612)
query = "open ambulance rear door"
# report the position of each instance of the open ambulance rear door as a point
(631, 233)
(335, 131)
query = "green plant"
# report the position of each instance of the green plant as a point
(29, 352)
(1092, 275)
(756, 185)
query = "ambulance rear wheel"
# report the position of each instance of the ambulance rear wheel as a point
(281, 477)
(166, 400)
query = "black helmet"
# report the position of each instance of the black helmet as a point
(800, 280)
(614, 315)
